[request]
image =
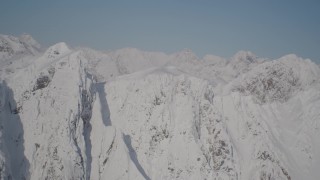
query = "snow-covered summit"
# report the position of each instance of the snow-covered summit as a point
(30, 43)
(23, 45)
(244, 56)
(278, 80)
(57, 50)
(243, 61)
(185, 56)
(305, 68)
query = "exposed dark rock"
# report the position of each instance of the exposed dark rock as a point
(42, 82)
(276, 82)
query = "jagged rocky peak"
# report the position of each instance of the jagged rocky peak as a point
(128, 55)
(30, 42)
(5, 47)
(276, 80)
(185, 55)
(307, 70)
(23, 45)
(57, 50)
(244, 56)
(242, 62)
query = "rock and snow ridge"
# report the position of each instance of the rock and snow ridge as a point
(127, 114)
(23, 45)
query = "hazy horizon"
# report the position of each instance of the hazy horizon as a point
(268, 29)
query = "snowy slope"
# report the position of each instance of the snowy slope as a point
(127, 114)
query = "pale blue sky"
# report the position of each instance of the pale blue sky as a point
(269, 28)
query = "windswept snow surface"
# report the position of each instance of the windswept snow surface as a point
(128, 114)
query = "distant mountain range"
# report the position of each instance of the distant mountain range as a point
(128, 114)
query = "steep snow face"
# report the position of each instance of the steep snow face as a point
(129, 114)
(56, 146)
(52, 128)
(175, 129)
(275, 139)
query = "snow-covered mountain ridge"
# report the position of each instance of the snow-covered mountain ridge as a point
(128, 114)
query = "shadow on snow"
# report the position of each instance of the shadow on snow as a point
(105, 112)
(133, 156)
(12, 137)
